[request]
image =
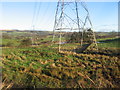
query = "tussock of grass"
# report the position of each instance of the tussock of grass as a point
(45, 67)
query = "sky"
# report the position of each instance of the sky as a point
(41, 15)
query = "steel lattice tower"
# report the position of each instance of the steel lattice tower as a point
(72, 16)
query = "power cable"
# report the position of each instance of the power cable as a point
(34, 14)
(37, 14)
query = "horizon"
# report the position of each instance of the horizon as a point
(49, 30)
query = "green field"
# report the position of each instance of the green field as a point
(114, 43)
(42, 66)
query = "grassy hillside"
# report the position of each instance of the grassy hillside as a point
(45, 67)
(42, 66)
(110, 43)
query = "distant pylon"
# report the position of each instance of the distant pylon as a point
(72, 16)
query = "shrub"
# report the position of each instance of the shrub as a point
(6, 36)
(76, 37)
(26, 42)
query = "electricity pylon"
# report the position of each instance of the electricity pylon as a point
(72, 16)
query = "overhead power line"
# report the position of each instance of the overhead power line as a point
(36, 12)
